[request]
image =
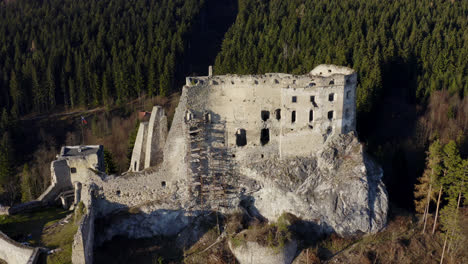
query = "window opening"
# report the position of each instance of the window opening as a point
(265, 136)
(117, 192)
(331, 97)
(293, 117)
(241, 137)
(265, 115)
(278, 114)
(329, 70)
(73, 170)
(330, 115)
(163, 184)
(261, 156)
(311, 84)
(294, 99)
(329, 130)
(331, 82)
(207, 117)
(311, 115)
(135, 166)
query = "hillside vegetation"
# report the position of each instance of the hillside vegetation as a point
(424, 43)
(89, 53)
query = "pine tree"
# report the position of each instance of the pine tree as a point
(50, 82)
(429, 181)
(109, 162)
(26, 182)
(7, 174)
(16, 95)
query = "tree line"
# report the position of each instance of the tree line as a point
(426, 40)
(89, 53)
(445, 183)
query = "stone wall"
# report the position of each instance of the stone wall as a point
(156, 138)
(83, 242)
(273, 111)
(137, 162)
(150, 141)
(14, 252)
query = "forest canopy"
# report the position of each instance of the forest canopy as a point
(89, 53)
(426, 41)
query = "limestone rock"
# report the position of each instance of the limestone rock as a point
(339, 189)
(252, 252)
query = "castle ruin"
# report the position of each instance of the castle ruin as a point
(270, 143)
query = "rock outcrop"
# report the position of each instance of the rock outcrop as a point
(340, 189)
(253, 252)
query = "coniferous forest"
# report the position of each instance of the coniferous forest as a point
(89, 53)
(427, 38)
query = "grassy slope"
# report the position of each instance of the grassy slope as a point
(44, 229)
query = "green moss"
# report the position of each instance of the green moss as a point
(237, 241)
(273, 235)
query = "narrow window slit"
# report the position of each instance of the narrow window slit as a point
(278, 114)
(265, 136)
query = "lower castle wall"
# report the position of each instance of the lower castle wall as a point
(14, 252)
(83, 243)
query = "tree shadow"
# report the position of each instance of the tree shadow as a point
(390, 127)
(206, 36)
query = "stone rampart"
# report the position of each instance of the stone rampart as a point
(25, 207)
(83, 242)
(14, 252)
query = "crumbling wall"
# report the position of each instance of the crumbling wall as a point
(83, 242)
(139, 148)
(14, 252)
(156, 137)
(278, 114)
(60, 180)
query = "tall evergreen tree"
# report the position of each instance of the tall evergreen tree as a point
(429, 182)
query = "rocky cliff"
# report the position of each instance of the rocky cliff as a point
(339, 189)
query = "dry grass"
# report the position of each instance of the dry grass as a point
(217, 254)
(401, 242)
